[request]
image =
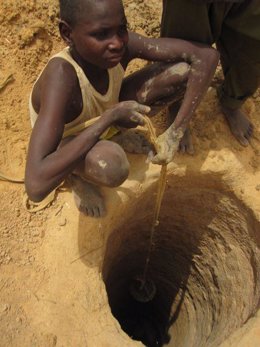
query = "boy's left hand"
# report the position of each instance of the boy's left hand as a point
(129, 114)
(167, 145)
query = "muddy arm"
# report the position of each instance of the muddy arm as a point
(203, 66)
(203, 61)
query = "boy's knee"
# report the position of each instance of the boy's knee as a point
(181, 69)
(115, 176)
(107, 164)
(115, 168)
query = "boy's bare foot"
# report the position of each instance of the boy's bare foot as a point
(186, 145)
(239, 125)
(133, 141)
(87, 197)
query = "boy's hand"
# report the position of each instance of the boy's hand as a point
(129, 114)
(167, 145)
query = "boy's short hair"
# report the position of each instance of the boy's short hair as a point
(71, 11)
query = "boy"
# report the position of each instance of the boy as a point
(85, 81)
(234, 25)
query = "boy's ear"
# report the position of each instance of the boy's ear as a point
(65, 32)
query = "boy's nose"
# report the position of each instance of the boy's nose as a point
(116, 43)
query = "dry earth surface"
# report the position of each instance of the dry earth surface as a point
(52, 262)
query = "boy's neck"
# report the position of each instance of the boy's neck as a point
(97, 76)
(86, 66)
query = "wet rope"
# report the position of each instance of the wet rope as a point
(8, 178)
(158, 202)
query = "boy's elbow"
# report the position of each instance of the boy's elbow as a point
(35, 195)
(34, 191)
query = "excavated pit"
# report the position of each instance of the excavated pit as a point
(204, 265)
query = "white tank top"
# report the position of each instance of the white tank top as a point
(94, 103)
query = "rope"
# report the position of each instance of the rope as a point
(158, 203)
(8, 178)
(32, 206)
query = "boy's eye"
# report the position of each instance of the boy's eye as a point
(122, 30)
(106, 33)
(101, 35)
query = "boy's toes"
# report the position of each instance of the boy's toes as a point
(98, 211)
(243, 140)
(190, 149)
(95, 211)
(250, 130)
(239, 124)
(182, 148)
(84, 209)
(102, 211)
(186, 145)
(87, 197)
(89, 211)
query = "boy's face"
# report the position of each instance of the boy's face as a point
(101, 36)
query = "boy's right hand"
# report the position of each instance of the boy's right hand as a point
(129, 114)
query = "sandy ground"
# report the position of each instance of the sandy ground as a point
(34, 247)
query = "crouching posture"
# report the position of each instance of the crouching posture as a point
(86, 80)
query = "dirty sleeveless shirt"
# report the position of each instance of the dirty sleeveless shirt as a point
(94, 103)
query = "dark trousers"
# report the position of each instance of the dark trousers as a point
(233, 27)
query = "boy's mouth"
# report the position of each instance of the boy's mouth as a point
(115, 57)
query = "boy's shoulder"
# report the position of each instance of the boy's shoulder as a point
(58, 75)
(59, 70)
(58, 66)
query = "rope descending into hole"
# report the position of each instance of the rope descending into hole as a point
(141, 288)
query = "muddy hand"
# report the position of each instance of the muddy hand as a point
(167, 145)
(129, 114)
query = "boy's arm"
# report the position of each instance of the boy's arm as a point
(203, 61)
(48, 163)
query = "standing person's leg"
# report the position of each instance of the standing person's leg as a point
(239, 46)
(187, 20)
(194, 21)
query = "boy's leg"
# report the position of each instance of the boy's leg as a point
(157, 85)
(239, 46)
(105, 164)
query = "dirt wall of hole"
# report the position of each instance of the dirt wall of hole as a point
(205, 265)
